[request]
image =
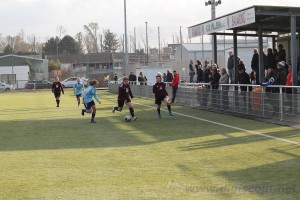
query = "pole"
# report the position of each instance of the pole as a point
(34, 54)
(126, 44)
(12, 56)
(214, 37)
(134, 40)
(147, 59)
(158, 44)
(181, 45)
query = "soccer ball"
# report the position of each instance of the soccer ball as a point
(169, 101)
(127, 118)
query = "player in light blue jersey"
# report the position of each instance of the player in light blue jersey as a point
(78, 89)
(89, 103)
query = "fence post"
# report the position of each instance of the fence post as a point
(247, 100)
(281, 104)
(263, 101)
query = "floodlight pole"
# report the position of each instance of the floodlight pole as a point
(126, 42)
(214, 37)
(213, 4)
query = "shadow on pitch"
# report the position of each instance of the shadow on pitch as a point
(278, 180)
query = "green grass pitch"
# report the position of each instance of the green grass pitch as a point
(55, 153)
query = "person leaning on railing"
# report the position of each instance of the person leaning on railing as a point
(280, 79)
(214, 82)
(269, 80)
(244, 78)
(224, 79)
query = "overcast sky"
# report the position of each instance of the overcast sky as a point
(42, 17)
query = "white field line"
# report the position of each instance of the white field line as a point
(228, 126)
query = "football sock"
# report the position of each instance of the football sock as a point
(116, 107)
(131, 112)
(57, 102)
(93, 116)
(169, 108)
(78, 103)
(158, 111)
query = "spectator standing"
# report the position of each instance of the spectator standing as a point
(169, 76)
(271, 62)
(199, 72)
(281, 53)
(145, 78)
(255, 64)
(141, 79)
(175, 83)
(214, 82)
(206, 79)
(275, 53)
(116, 78)
(289, 91)
(191, 72)
(269, 80)
(164, 77)
(224, 79)
(230, 66)
(132, 78)
(244, 78)
(252, 76)
(280, 79)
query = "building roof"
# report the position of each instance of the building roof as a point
(272, 19)
(18, 56)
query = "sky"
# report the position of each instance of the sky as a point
(42, 17)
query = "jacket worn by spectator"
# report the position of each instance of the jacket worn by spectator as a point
(224, 79)
(169, 77)
(255, 62)
(280, 79)
(244, 78)
(132, 78)
(230, 62)
(175, 80)
(215, 80)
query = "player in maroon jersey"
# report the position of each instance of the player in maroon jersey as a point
(124, 98)
(57, 88)
(161, 95)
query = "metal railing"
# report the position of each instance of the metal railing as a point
(252, 100)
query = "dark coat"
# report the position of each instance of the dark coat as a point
(244, 78)
(255, 62)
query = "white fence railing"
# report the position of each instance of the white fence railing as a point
(247, 100)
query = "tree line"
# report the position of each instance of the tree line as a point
(91, 40)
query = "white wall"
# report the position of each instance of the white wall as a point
(21, 72)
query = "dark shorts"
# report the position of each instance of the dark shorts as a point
(57, 95)
(89, 105)
(159, 100)
(77, 96)
(122, 102)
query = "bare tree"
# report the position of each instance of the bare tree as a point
(2, 43)
(80, 39)
(61, 31)
(92, 36)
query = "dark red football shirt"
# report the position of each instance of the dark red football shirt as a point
(159, 89)
(124, 92)
(57, 88)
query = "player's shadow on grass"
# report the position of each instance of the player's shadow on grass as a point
(278, 180)
(236, 140)
(64, 132)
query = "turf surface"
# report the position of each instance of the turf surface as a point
(55, 153)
